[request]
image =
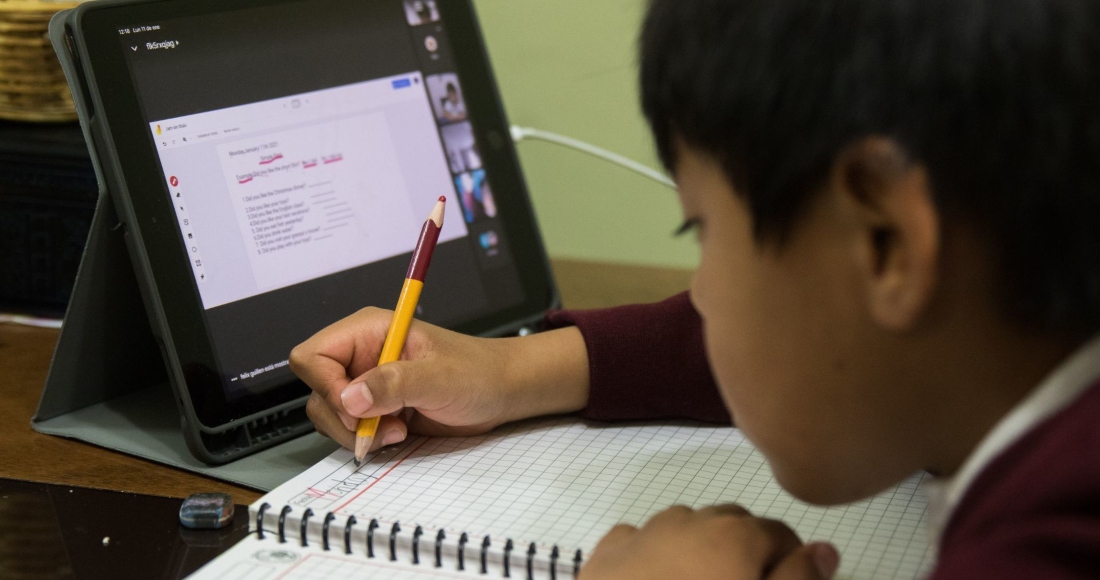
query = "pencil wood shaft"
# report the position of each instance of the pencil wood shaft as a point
(403, 315)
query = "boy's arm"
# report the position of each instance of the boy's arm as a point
(649, 364)
(445, 383)
(646, 361)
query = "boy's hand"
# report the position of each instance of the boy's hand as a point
(445, 383)
(723, 541)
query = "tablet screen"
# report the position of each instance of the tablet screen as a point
(291, 189)
(301, 146)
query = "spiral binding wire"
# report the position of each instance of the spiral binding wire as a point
(347, 534)
(370, 537)
(302, 535)
(486, 542)
(324, 530)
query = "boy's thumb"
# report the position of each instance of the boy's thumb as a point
(396, 385)
(815, 561)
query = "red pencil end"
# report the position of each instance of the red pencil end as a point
(425, 246)
(437, 212)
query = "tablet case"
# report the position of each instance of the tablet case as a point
(107, 383)
(131, 359)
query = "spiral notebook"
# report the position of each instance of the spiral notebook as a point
(530, 500)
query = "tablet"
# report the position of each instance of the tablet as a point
(272, 162)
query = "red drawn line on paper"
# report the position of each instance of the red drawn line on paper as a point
(244, 181)
(308, 165)
(277, 157)
(317, 493)
(356, 496)
(334, 159)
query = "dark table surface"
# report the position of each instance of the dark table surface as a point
(59, 531)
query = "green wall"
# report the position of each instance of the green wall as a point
(569, 66)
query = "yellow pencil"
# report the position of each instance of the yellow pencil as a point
(403, 314)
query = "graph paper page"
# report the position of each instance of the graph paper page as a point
(564, 481)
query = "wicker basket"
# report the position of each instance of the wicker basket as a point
(32, 86)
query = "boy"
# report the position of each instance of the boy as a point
(898, 206)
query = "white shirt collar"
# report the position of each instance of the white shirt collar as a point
(1057, 391)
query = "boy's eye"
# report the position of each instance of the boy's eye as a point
(689, 225)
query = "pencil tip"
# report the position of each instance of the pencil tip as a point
(358, 463)
(362, 446)
(443, 198)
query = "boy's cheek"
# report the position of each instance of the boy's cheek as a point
(782, 412)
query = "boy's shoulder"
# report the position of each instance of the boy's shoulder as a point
(1034, 511)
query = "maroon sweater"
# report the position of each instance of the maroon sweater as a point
(646, 362)
(1033, 513)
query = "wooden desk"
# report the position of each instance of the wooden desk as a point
(25, 359)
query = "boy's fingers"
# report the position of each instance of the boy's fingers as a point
(391, 430)
(731, 509)
(817, 561)
(328, 423)
(775, 543)
(350, 422)
(673, 515)
(350, 345)
(619, 533)
(316, 407)
(770, 541)
(324, 374)
(615, 537)
(390, 388)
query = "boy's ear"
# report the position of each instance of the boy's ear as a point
(897, 228)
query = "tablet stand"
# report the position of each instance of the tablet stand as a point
(107, 383)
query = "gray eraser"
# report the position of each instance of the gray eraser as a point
(206, 511)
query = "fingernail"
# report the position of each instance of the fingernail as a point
(356, 398)
(826, 559)
(392, 436)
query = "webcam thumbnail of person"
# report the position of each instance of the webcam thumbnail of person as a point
(462, 153)
(419, 12)
(446, 96)
(475, 195)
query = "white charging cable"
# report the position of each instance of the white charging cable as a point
(519, 134)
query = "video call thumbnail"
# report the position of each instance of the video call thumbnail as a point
(446, 97)
(462, 152)
(421, 12)
(476, 196)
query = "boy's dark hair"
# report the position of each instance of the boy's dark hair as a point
(998, 99)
